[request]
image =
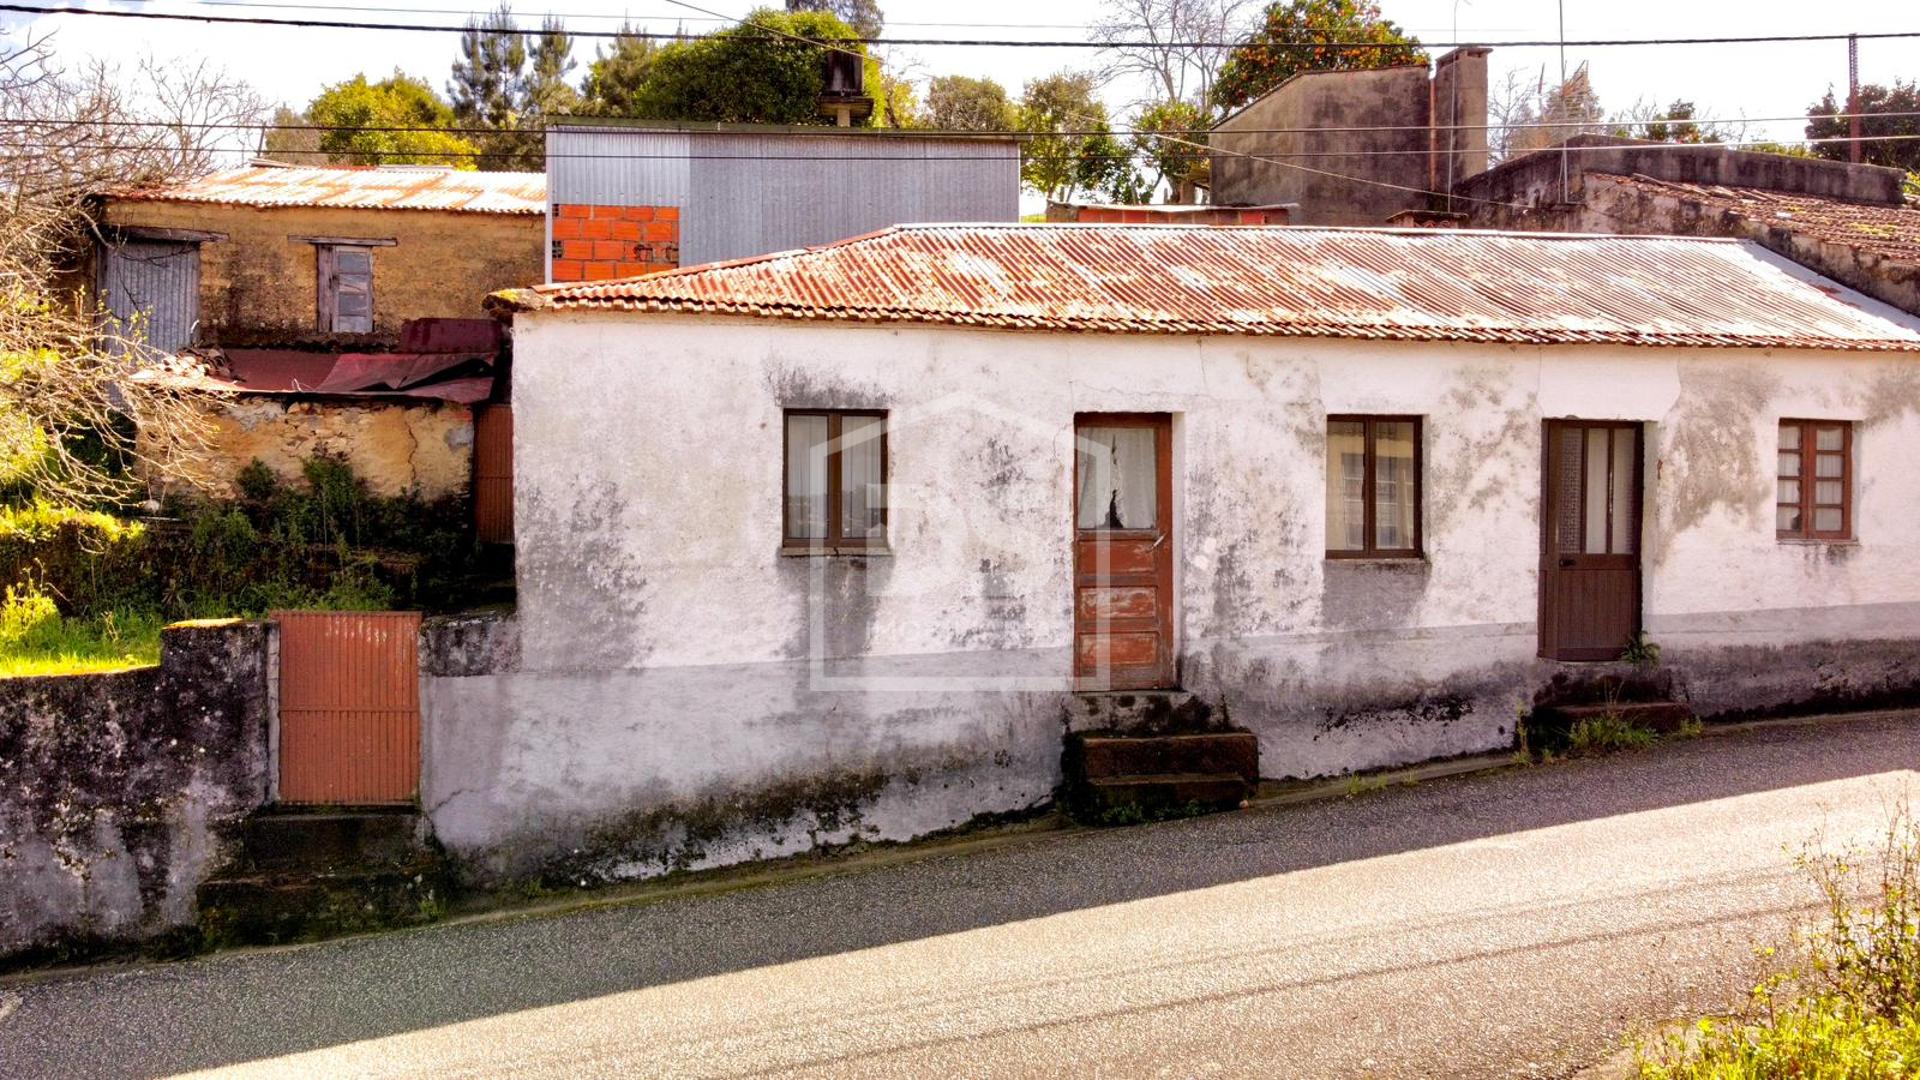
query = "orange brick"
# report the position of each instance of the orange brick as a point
(597, 229)
(626, 230)
(666, 213)
(567, 228)
(609, 213)
(637, 213)
(634, 269)
(567, 270)
(573, 210)
(576, 250)
(662, 230)
(602, 271)
(612, 250)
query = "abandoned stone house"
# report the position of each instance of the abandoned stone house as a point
(831, 544)
(338, 307)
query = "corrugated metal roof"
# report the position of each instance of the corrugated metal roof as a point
(1416, 284)
(1890, 231)
(388, 188)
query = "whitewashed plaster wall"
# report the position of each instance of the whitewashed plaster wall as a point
(672, 660)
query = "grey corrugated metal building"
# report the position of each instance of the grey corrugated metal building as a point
(648, 196)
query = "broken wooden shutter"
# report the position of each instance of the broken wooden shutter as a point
(346, 290)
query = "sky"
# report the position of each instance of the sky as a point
(1725, 81)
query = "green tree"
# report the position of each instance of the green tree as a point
(1071, 147)
(960, 103)
(485, 88)
(1308, 35)
(1171, 138)
(396, 121)
(617, 74)
(545, 91)
(769, 69)
(1889, 112)
(863, 15)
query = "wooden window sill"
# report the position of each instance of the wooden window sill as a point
(1818, 541)
(818, 550)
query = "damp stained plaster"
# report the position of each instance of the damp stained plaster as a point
(671, 656)
(425, 447)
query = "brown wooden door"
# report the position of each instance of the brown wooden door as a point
(349, 707)
(493, 473)
(1590, 539)
(1123, 551)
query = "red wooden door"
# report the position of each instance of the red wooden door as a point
(349, 707)
(493, 473)
(1590, 539)
(1123, 551)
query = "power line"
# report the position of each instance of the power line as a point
(772, 33)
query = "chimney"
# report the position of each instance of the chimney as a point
(844, 96)
(1459, 116)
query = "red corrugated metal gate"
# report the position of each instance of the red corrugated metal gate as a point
(349, 707)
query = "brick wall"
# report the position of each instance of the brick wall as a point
(597, 243)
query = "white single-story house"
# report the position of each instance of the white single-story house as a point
(837, 543)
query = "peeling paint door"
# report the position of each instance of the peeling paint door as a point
(1590, 539)
(1123, 551)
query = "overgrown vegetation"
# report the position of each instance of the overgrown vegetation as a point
(1849, 1008)
(1607, 733)
(87, 590)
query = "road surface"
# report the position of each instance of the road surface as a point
(1511, 924)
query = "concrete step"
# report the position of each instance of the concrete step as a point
(1662, 716)
(1227, 753)
(1144, 712)
(284, 840)
(275, 908)
(1164, 794)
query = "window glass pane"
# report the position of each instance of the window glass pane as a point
(1626, 443)
(1119, 486)
(1393, 484)
(1789, 436)
(1827, 492)
(863, 491)
(1826, 520)
(1346, 485)
(1789, 464)
(1596, 492)
(1829, 465)
(358, 261)
(1787, 519)
(807, 477)
(1566, 525)
(1789, 492)
(1827, 438)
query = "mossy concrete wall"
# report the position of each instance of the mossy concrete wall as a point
(260, 283)
(114, 790)
(397, 447)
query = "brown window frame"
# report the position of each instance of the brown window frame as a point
(1369, 510)
(835, 542)
(1809, 477)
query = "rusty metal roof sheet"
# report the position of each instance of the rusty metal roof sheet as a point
(385, 188)
(1411, 284)
(1892, 232)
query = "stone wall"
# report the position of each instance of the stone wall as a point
(114, 790)
(397, 446)
(259, 284)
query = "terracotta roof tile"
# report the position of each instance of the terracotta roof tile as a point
(388, 188)
(1890, 231)
(1416, 284)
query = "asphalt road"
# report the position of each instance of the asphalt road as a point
(1518, 923)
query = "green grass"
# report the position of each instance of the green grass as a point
(1850, 1009)
(68, 646)
(1605, 734)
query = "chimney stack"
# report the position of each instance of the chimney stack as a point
(1459, 116)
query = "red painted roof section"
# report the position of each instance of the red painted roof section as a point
(1890, 231)
(1412, 284)
(386, 188)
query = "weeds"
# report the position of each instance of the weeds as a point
(35, 639)
(1607, 733)
(1851, 1009)
(1361, 785)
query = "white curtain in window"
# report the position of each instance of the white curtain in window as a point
(1394, 485)
(863, 491)
(806, 477)
(1119, 478)
(1346, 485)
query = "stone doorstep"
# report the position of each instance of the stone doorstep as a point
(1145, 711)
(272, 909)
(284, 840)
(1662, 716)
(1232, 753)
(1168, 791)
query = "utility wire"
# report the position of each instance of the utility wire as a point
(969, 42)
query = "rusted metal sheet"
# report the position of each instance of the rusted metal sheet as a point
(1385, 284)
(391, 188)
(152, 289)
(493, 473)
(349, 707)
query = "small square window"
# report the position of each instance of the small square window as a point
(1813, 496)
(1373, 487)
(836, 481)
(345, 299)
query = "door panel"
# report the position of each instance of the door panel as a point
(1590, 539)
(1123, 551)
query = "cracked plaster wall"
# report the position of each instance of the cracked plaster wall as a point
(425, 447)
(673, 668)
